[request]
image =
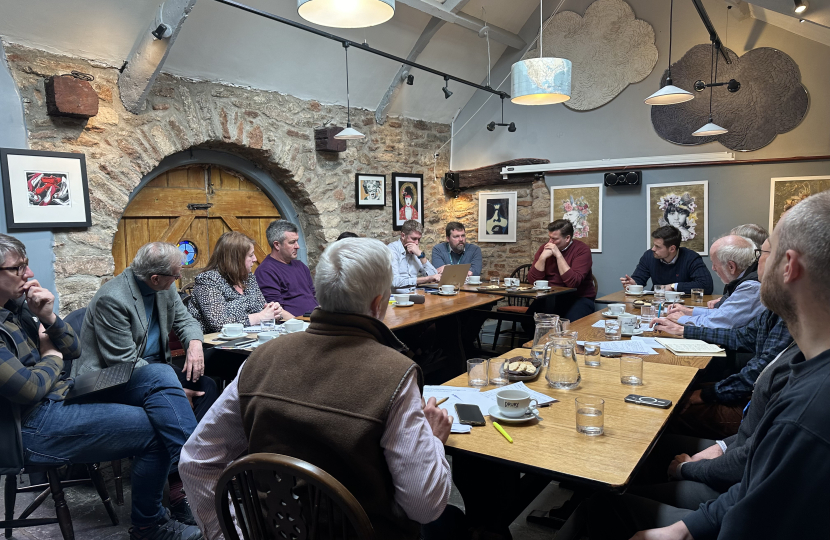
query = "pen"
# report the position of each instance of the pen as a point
(503, 432)
(442, 400)
(544, 404)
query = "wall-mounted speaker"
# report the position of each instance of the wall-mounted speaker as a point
(623, 178)
(451, 181)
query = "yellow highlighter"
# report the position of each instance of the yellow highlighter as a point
(503, 432)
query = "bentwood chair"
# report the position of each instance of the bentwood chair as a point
(277, 496)
(516, 306)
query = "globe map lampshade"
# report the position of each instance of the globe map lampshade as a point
(346, 13)
(710, 129)
(669, 95)
(541, 81)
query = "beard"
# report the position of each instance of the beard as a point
(776, 299)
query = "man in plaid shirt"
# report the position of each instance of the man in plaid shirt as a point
(33, 345)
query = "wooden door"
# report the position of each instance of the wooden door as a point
(197, 204)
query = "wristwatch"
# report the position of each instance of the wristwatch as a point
(422, 255)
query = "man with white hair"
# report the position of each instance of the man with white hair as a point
(339, 396)
(731, 257)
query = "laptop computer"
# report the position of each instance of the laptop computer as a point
(453, 274)
(100, 380)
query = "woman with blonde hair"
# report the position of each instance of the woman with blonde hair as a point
(227, 292)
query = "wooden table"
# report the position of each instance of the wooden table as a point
(620, 297)
(532, 294)
(663, 356)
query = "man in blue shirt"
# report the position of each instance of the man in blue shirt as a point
(666, 263)
(456, 250)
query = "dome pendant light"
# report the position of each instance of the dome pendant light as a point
(541, 81)
(346, 13)
(349, 133)
(711, 128)
(669, 94)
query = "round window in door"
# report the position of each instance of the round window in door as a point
(190, 252)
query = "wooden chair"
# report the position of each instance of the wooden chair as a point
(55, 488)
(516, 306)
(277, 496)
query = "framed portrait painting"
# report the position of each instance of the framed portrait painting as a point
(44, 190)
(407, 199)
(685, 206)
(787, 192)
(497, 212)
(370, 190)
(582, 206)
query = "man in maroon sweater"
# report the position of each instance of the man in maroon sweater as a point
(564, 262)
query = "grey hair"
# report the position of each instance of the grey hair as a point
(754, 232)
(10, 244)
(806, 229)
(156, 258)
(351, 273)
(410, 226)
(738, 249)
(277, 229)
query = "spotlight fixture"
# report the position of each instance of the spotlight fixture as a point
(801, 6)
(410, 79)
(351, 14)
(348, 133)
(669, 94)
(712, 128)
(491, 126)
(511, 127)
(446, 89)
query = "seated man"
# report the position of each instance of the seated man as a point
(666, 263)
(564, 262)
(281, 277)
(754, 232)
(92, 430)
(358, 414)
(791, 445)
(456, 250)
(731, 257)
(410, 266)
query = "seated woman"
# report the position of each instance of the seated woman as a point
(227, 291)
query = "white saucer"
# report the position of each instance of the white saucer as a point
(223, 335)
(447, 294)
(495, 414)
(635, 294)
(541, 288)
(404, 304)
(637, 332)
(611, 315)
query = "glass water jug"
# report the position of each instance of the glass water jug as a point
(563, 370)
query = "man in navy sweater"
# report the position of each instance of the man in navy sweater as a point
(666, 263)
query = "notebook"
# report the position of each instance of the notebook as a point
(690, 347)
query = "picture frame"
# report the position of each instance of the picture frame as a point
(684, 205)
(786, 192)
(44, 190)
(369, 190)
(497, 213)
(582, 206)
(403, 210)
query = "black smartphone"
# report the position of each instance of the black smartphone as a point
(648, 401)
(469, 414)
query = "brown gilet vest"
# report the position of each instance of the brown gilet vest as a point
(323, 396)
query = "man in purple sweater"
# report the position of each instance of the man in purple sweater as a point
(281, 277)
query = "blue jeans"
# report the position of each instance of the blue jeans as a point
(149, 418)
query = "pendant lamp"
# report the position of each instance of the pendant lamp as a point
(348, 133)
(346, 13)
(711, 128)
(541, 81)
(669, 94)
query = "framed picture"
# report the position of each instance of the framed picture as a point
(407, 199)
(582, 206)
(787, 192)
(685, 206)
(44, 190)
(497, 216)
(369, 190)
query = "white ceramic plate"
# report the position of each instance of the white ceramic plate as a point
(541, 288)
(495, 414)
(635, 294)
(609, 314)
(447, 293)
(404, 304)
(637, 332)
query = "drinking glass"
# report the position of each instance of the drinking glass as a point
(544, 331)
(563, 370)
(613, 330)
(631, 370)
(697, 296)
(497, 375)
(564, 324)
(589, 415)
(591, 354)
(660, 292)
(477, 371)
(267, 325)
(494, 281)
(537, 352)
(647, 313)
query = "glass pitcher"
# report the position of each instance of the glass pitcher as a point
(545, 324)
(563, 371)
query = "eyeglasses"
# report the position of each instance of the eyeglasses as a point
(176, 276)
(18, 270)
(759, 251)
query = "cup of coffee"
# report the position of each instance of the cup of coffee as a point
(541, 284)
(515, 403)
(402, 298)
(474, 280)
(262, 337)
(446, 289)
(634, 289)
(293, 325)
(630, 323)
(616, 309)
(673, 296)
(233, 329)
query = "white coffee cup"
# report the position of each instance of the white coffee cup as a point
(630, 323)
(511, 282)
(402, 298)
(616, 309)
(447, 289)
(634, 289)
(263, 337)
(293, 325)
(541, 284)
(475, 280)
(673, 296)
(233, 329)
(515, 403)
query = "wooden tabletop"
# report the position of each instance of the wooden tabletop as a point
(553, 447)
(620, 297)
(663, 356)
(530, 294)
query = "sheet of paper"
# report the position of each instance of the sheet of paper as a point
(631, 347)
(601, 324)
(455, 395)
(689, 345)
(649, 342)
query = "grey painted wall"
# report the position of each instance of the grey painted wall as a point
(13, 135)
(737, 194)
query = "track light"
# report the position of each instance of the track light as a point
(410, 79)
(801, 6)
(512, 127)
(491, 126)
(446, 89)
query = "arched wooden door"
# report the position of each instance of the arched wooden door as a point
(196, 204)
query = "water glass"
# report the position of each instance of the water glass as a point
(539, 317)
(590, 412)
(537, 352)
(267, 325)
(660, 292)
(477, 371)
(497, 375)
(631, 370)
(564, 324)
(591, 354)
(647, 314)
(494, 281)
(613, 330)
(697, 296)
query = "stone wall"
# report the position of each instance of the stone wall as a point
(273, 130)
